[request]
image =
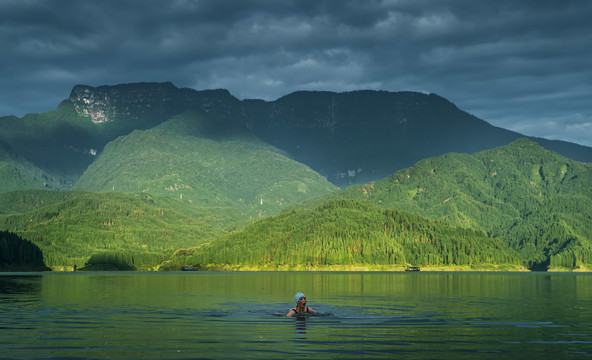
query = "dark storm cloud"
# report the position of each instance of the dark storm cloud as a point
(522, 65)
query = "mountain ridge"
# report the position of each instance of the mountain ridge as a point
(350, 138)
(329, 131)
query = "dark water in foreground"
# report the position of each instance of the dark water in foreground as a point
(238, 315)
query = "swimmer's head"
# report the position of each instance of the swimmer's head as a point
(298, 296)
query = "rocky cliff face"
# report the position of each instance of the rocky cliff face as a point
(124, 102)
(136, 102)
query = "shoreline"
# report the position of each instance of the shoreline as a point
(362, 268)
(305, 268)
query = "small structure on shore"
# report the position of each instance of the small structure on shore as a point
(188, 268)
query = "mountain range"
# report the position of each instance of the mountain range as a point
(349, 138)
(135, 173)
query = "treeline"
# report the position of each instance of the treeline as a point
(122, 260)
(575, 255)
(347, 232)
(19, 254)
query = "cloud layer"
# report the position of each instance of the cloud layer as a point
(521, 65)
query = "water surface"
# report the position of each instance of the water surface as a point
(195, 315)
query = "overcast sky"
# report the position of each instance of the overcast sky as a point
(518, 64)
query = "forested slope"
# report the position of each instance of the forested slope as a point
(17, 254)
(139, 231)
(200, 162)
(536, 201)
(341, 233)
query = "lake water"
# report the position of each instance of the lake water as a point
(195, 315)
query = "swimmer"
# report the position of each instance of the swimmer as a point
(301, 307)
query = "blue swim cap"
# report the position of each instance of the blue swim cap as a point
(298, 296)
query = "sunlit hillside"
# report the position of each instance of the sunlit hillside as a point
(536, 201)
(342, 233)
(193, 159)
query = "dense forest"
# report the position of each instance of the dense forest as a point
(17, 254)
(518, 205)
(191, 159)
(344, 233)
(534, 200)
(139, 230)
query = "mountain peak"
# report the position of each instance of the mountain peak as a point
(111, 102)
(147, 104)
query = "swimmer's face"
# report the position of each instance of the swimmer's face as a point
(302, 301)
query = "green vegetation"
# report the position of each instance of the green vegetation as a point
(18, 174)
(17, 254)
(51, 150)
(186, 181)
(191, 159)
(141, 229)
(161, 171)
(536, 201)
(58, 143)
(344, 233)
(16, 202)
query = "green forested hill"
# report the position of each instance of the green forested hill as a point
(17, 202)
(60, 143)
(536, 201)
(197, 161)
(342, 233)
(135, 231)
(186, 181)
(176, 186)
(20, 174)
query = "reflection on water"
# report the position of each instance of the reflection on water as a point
(300, 327)
(23, 285)
(241, 315)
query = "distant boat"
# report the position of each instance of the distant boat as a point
(412, 268)
(188, 268)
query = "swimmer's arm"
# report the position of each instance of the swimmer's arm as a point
(311, 310)
(292, 312)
